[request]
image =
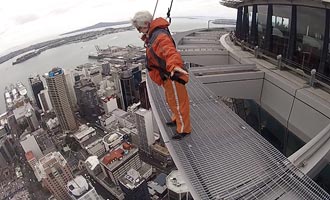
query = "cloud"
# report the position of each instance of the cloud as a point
(59, 11)
(22, 19)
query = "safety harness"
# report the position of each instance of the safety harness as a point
(164, 74)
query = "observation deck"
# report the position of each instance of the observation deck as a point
(225, 158)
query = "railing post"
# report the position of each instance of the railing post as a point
(208, 23)
(279, 61)
(256, 51)
(231, 36)
(243, 45)
(312, 79)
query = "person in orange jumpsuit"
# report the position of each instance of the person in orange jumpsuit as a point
(165, 68)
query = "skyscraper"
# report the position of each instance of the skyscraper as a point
(6, 151)
(37, 86)
(145, 129)
(31, 119)
(29, 143)
(116, 163)
(70, 80)
(137, 74)
(59, 96)
(45, 102)
(106, 68)
(87, 99)
(54, 172)
(143, 93)
(128, 91)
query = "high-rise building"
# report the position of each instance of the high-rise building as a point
(54, 172)
(6, 151)
(161, 154)
(80, 189)
(31, 119)
(13, 124)
(31, 159)
(3, 130)
(29, 143)
(128, 91)
(45, 102)
(70, 77)
(94, 73)
(45, 142)
(145, 129)
(109, 103)
(134, 186)
(126, 82)
(117, 163)
(87, 99)
(137, 75)
(144, 99)
(37, 86)
(59, 96)
(106, 70)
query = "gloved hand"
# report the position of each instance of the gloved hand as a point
(180, 75)
(178, 69)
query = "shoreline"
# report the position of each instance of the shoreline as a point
(43, 46)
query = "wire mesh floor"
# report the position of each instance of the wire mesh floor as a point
(225, 158)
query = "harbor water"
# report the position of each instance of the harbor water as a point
(71, 55)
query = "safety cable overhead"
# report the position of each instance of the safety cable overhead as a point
(168, 11)
(153, 15)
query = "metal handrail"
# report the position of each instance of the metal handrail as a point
(285, 63)
(300, 157)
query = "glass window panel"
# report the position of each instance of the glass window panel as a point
(281, 29)
(252, 114)
(294, 143)
(310, 34)
(272, 130)
(327, 62)
(250, 18)
(322, 179)
(262, 22)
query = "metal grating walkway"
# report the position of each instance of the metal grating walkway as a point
(224, 158)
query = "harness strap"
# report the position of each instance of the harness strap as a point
(161, 62)
(164, 74)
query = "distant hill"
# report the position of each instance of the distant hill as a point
(98, 25)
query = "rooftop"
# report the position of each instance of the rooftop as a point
(113, 159)
(78, 186)
(132, 179)
(92, 162)
(29, 156)
(83, 131)
(176, 183)
(161, 149)
(48, 161)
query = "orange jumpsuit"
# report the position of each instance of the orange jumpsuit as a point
(176, 93)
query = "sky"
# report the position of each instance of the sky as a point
(27, 22)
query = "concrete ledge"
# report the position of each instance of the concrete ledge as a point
(302, 109)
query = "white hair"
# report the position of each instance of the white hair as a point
(141, 19)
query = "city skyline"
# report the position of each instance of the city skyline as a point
(260, 126)
(25, 23)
